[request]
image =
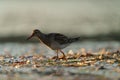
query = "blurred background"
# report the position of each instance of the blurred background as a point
(90, 19)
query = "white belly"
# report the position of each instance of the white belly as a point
(55, 45)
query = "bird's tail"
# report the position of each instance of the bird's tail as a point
(73, 39)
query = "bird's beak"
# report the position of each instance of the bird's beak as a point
(30, 36)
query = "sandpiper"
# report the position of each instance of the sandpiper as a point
(55, 41)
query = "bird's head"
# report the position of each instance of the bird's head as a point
(35, 33)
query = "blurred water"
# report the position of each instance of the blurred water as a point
(22, 48)
(78, 17)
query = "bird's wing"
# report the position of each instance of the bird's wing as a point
(60, 38)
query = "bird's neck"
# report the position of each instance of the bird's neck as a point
(42, 37)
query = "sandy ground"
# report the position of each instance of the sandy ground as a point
(85, 61)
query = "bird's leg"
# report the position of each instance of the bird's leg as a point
(64, 57)
(57, 55)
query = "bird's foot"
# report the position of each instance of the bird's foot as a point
(56, 58)
(64, 58)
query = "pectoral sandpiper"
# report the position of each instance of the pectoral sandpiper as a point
(55, 41)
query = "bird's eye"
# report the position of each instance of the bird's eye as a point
(36, 31)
